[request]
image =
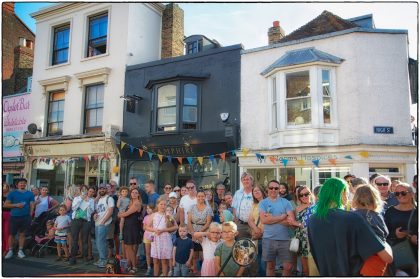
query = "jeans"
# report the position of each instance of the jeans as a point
(261, 263)
(77, 226)
(180, 270)
(101, 232)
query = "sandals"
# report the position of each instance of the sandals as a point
(65, 259)
(132, 271)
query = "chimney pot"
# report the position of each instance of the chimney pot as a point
(276, 23)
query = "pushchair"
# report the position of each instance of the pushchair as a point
(43, 245)
(37, 243)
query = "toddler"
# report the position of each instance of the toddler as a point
(122, 204)
(182, 253)
(368, 204)
(61, 225)
(209, 241)
(49, 233)
(232, 269)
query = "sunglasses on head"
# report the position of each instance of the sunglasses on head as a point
(304, 195)
(382, 184)
(273, 188)
(402, 193)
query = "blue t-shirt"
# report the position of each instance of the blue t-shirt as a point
(152, 198)
(18, 197)
(276, 208)
(183, 249)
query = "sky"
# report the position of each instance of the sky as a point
(248, 23)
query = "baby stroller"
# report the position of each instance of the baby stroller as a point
(43, 245)
(38, 232)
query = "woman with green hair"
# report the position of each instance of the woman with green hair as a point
(340, 241)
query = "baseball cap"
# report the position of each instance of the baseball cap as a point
(172, 195)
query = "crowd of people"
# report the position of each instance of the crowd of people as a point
(346, 227)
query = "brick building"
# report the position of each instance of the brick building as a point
(18, 51)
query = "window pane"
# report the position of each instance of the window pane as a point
(189, 114)
(166, 116)
(326, 106)
(166, 96)
(326, 83)
(99, 114)
(190, 94)
(61, 45)
(97, 35)
(298, 84)
(274, 116)
(299, 111)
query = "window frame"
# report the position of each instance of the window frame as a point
(55, 31)
(92, 129)
(274, 105)
(195, 46)
(50, 103)
(303, 98)
(179, 106)
(88, 18)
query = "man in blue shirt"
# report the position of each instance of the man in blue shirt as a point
(152, 196)
(276, 213)
(21, 202)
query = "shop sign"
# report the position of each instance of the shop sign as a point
(174, 151)
(68, 149)
(15, 122)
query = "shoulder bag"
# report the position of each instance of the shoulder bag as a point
(403, 252)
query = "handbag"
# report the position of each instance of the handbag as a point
(402, 251)
(294, 245)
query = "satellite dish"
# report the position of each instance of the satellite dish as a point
(32, 128)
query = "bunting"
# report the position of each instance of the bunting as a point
(150, 155)
(364, 154)
(190, 160)
(316, 163)
(348, 157)
(333, 161)
(211, 158)
(141, 152)
(179, 160)
(122, 144)
(272, 159)
(200, 160)
(284, 161)
(245, 151)
(160, 157)
(169, 158)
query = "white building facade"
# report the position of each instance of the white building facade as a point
(327, 105)
(78, 78)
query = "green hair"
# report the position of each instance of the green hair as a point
(329, 196)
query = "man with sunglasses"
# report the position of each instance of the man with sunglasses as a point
(275, 212)
(383, 183)
(187, 202)
(134, 185)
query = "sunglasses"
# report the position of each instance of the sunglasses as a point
(168, 188)
(304, 195)
(189, 188)
(177, 190)
(273, 188)
(403, 193)
(133, 183)
(382, 184)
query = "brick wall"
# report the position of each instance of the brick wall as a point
(12, 30)
(275, 33)
(172, 31)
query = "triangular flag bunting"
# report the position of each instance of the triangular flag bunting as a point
(160, 157)
(233, 152)
(284, 161)
(223, 155)
(364, 154)
(190, 160)
(333, 161)
(169, 158)
(272, 159)
(301, 162)
(131, 149)
(348, 157)
(89, 157)
(123, 144)
(211, 157)
(179, 160)
(141, 152)
(150, 155)
(316, 162)
(200, 160)
(245, 151)
(85, 158)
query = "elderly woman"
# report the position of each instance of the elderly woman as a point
(400, 226)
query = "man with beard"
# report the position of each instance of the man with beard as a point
(103, 219)
(284, 191)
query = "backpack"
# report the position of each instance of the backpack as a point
(115, 210)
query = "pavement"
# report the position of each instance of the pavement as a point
(47, 266)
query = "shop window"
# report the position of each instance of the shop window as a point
(55, 113)
(60, 51)
(94, 104)
(298, 98)
(322, 174)
(98, 35)
(49, 174)
(143, 171)
(77, 172)
(177, 106)
(262, 176)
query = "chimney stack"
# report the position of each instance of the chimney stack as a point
(9, 6)
(275, 33)
(172, 31)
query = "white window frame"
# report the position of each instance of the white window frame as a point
(52, 27)
(274, 102)
(87, 16)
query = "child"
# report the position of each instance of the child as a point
(148, 238)
(170, 222)
(161, 248)
(49, 233)
(61, 225)
(182, 253)
(225, 216)
(232, 269)
(209, 241)
(122, 204)
(368, 204)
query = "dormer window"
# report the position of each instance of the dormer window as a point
(194, 47)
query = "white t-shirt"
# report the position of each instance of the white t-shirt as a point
(186, 203)
(42, 206)
(102, 207)
(61, 222)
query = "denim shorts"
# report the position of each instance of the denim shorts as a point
(272, 249)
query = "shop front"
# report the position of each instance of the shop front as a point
(312, 166)
(57, 164)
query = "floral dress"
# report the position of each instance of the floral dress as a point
(302, 234)
(162, 244)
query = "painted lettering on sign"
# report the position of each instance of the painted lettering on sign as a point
(383, 130)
